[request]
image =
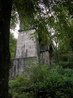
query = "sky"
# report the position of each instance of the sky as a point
(15, 31)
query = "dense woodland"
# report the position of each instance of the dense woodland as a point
(53, 24)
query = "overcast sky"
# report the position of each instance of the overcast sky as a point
(15, 31)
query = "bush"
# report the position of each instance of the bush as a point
(44, 82)
(17, 85)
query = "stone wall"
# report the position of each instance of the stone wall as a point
(27, 53)
(19, 65)
(44, 58)
(26, 44)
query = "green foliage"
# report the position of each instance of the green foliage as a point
(16, 86)
(12, 45)
(62, 23)
(42, 33)
(14, 18)
(26, 11)
(44, 82)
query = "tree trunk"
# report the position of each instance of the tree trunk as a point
(5, 15)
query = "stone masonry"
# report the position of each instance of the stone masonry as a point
(26, 52)
(26, 45)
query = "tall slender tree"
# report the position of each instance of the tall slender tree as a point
(5, 15)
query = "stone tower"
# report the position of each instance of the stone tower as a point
(27, 53)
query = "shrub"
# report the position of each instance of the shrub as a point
(17, 85)
(44, 82)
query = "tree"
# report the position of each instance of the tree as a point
(5, 15)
